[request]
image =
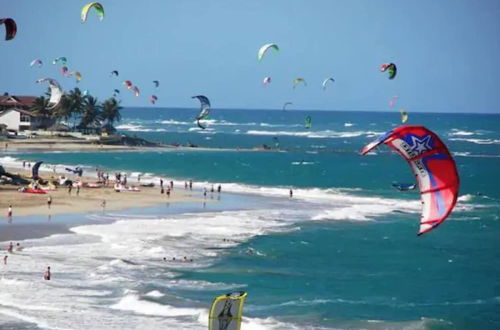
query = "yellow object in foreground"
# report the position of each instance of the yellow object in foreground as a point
(226, 311)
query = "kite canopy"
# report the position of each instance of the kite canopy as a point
(156, 83)
(128, 84)
(99, 9)
(10, 28)
(114, 73)
(308, 122)
(153, 99)
(404, 116)
(286, 104)
(390, 68)
(297, 81)
(34, 170)
(76, 74)
(204, 109)
(226, 311)
(326, 81)
(433, 166)
(136, 91)
(62, 59)
(55, 91)
(36, 62)
(64, 70)
(266, 81)
(404, 186)
(263, 50)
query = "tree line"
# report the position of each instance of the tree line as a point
(80, 111)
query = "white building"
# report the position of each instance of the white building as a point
(15, 113)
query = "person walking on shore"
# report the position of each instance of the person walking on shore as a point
(49, 201)
(9, 212)
(46, 275)
(5, 259)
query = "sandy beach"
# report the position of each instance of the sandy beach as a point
(88, 199)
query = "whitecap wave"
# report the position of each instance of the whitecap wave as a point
(477, 141)
(316, 134)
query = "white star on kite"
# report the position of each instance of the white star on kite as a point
(419, 146)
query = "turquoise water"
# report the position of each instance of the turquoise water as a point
(345, 253)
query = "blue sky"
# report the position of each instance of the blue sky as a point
(447, 52)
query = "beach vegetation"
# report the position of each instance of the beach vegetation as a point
(82, 112)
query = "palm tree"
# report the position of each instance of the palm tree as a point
(110, 113)
(40, 107)
(76, 103)
(91, 113)
(63, 110)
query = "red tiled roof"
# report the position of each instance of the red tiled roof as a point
(14, 100)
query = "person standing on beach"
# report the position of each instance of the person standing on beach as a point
(190, 184)
(103, 205)
(171, 184)
(46, 275)
(78, 190)
(205, 193)
(49, 201)
(10, 248)
(5, 259)
(24, 164)
(161, 183)
(168, 192)
(138, 178)
(70, 187)
(9, 212)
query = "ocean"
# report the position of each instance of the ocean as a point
(341, 254)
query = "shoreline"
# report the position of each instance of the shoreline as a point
(88, 199)
(72, 145)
